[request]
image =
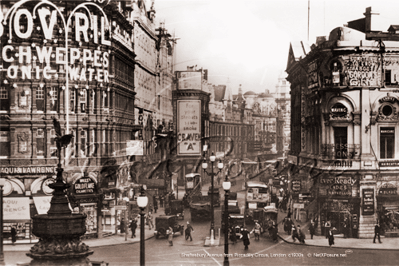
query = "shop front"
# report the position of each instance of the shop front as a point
(339, 204)
(388, 207)
(25, 194)
(85, 198)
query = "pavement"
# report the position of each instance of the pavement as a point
(388, 243)
(340, 242)
(107, 240)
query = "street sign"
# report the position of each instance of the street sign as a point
(120, 207)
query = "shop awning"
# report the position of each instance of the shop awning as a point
(16, 208)
(42, 204)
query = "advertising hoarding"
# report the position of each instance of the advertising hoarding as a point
(134, 147)
(189, 127)
(189, 80)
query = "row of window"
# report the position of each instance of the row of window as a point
(343, 151)
(87, 146)
(78, 99)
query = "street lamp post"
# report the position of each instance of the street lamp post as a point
(226, 187)
(212, 158)
(142, 202)
(2, 183)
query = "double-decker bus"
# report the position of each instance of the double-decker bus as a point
(257, 197)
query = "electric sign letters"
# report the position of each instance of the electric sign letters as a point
(42, 26)
(189, 127)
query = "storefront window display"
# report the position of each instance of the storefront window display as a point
(90, 209)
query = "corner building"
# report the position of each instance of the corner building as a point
(344, 155)
(72, 61)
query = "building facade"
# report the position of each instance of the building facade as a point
(85, 83)
(344, 123)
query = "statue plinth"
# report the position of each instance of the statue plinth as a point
(59, 231)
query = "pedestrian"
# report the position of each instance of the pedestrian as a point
(133, 226)
(256, 231)
(288, 224)
(169, 232)
(161, 201)
(330, 236)
(233, 236)
(347, 226)
(149, 220)
(188, 231)
(155, 204)
(245, 237)
(122, 226)
(301, 235)
(289, 212)
(294, 233)
(327, 227)
(377, 231)
(274, 232)
(13, 234)
(311, 229)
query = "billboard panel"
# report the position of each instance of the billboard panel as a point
(189, 80)
(189, 127)
(134, 147)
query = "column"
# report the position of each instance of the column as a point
(356, 133)
(48, 141)
(13, 142)
(34, 143)
(365, 124)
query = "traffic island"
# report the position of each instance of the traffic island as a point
(211, 242)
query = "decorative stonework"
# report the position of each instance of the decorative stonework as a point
(383, 116)
(23, 142)
(356, 118)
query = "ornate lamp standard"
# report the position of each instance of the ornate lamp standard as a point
(2, 183)
(212, 158)
(226, 187)
(142, 202)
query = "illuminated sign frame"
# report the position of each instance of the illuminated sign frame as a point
(189, 127)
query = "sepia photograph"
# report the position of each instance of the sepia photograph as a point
(199, 132)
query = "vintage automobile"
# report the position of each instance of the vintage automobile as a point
(236, 222)
(175, 207)
(269, 217)
(162, 224)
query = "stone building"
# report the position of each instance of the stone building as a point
(344, 153)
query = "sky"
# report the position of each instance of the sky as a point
(247, 42)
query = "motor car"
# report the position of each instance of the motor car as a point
(175, 207)
(163, 222)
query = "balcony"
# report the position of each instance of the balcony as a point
(340, 151)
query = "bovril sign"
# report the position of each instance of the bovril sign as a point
(42, 26)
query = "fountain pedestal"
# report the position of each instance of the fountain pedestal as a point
(59, 231)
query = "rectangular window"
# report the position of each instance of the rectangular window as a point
(92, 142)
(4, 101)
(388, 76)
(387, 143)
(53, 99)
(40, 99)
(72, 100)
(40, 143)
(92, 102)
(105, 99)
(341, 142)
(82, 100)
(83, 143)
(53, 145)
(4, 143)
